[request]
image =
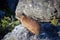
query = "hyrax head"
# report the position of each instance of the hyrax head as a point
(20, 15)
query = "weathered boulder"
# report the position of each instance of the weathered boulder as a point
(21, 33)
(41, 10)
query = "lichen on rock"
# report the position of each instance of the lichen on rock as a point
(38, 9)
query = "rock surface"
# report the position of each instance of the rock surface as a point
(21, 33)
(41, 10)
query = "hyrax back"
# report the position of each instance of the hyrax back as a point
(31, 24)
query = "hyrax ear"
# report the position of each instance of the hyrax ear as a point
(23, 14)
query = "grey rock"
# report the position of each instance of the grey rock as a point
(39, 9)
(21, 33)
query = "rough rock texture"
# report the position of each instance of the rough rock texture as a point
(21, 33)
(39, 9)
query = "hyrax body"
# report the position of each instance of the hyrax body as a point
(28, 22)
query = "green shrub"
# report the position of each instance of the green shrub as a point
(7, 25)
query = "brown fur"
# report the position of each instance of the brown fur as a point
(31, 24)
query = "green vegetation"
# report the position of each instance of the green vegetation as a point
(54, 21)
(7, 25)
(7, 21)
